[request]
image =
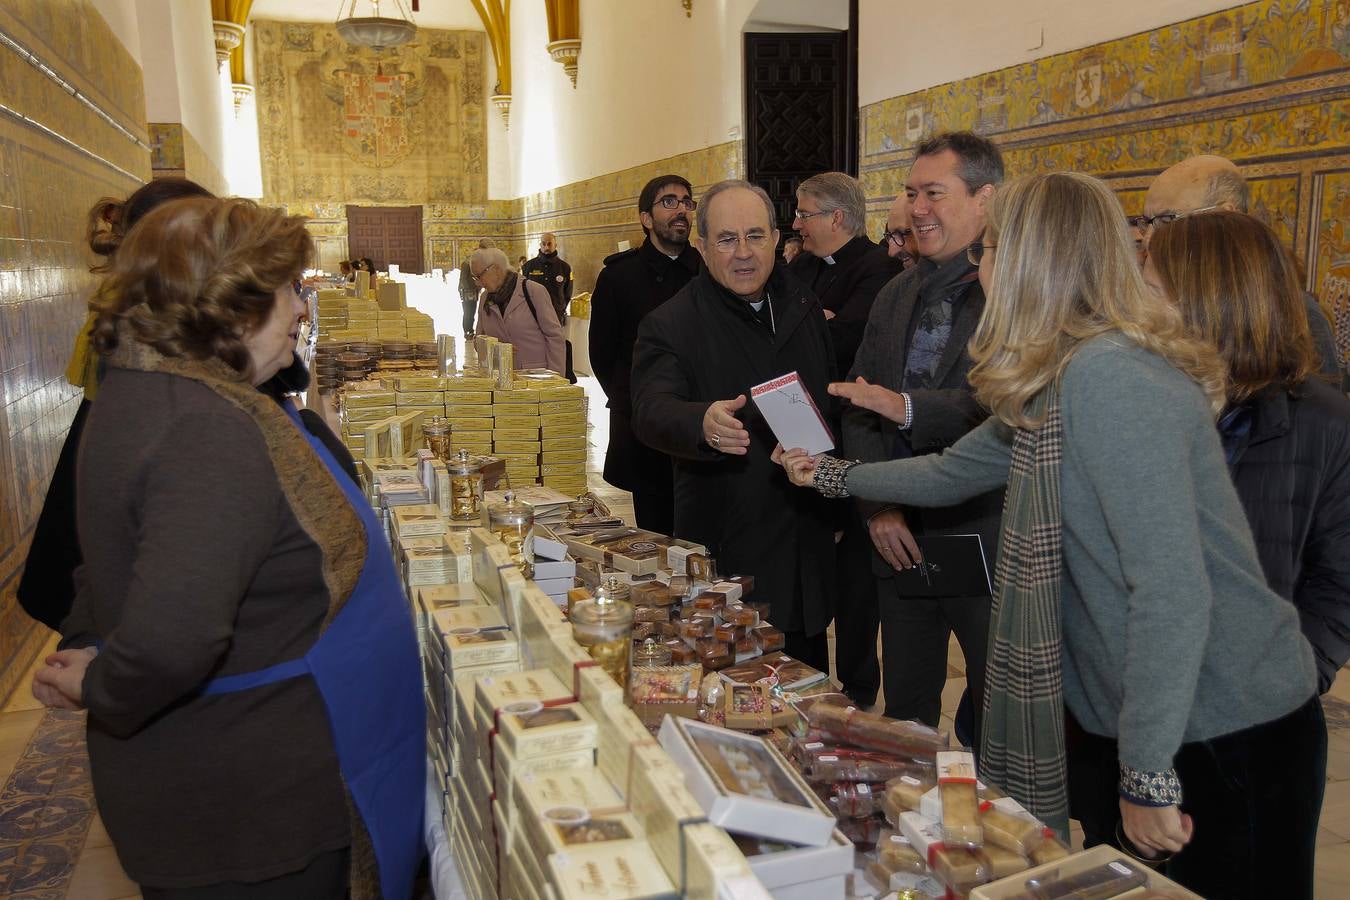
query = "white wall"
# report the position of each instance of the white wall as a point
(181, 80)
(905, 47)
(121, 18)
(652, 84)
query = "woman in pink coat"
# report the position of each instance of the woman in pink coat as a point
(507, 313)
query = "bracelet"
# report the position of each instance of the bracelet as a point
(831, 476)
(1150, 788)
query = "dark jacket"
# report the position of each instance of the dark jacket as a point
(706, 344)
(555, 275)
(846, 283)
(47, 588)
(1292, 473)
(940, 416)
(197, 566)
(632, 284)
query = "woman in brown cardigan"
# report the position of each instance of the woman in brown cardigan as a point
(236, 616)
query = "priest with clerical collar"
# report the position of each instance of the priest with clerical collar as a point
(742, 321)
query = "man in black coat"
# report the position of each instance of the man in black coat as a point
(553, 272)
(736, 325)
(632, 284)
(844, 269)
(838, 262)
(912, 364)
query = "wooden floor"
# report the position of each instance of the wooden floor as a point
(53, 846)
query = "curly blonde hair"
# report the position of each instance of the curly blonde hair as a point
(196, 275)
(1066, 271)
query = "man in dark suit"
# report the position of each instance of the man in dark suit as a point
(912, 367)
(838, 262)
(632, 284)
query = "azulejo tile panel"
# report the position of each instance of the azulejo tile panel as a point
(1265, 84)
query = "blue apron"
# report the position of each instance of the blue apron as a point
(367, 670)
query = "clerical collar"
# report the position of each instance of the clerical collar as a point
(756, 306)
(829, 260)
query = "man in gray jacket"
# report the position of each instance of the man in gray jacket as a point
(911, 366)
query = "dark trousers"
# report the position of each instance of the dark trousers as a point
(856, 616)
(470, 311)
(326, 877)
(814, 650)
(1254, 796)
(654, 507)
(914, 635)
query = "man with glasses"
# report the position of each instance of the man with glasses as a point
(632, 284)
(838, 262)
(1203, 183)
(898, 240)
(739, 323)
(910, 397)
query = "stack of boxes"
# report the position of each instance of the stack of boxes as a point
(562, 429)
(515, 433)
(424, 394)
(362, 316)
(468, 406)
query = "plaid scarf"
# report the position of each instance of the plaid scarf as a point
(1022, 746)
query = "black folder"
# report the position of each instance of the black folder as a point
(954, 565)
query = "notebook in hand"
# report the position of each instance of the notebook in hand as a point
(794, 417)
(953, 565)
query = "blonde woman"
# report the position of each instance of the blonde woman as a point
(1128, 586)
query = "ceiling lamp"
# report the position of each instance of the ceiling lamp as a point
(375, 31)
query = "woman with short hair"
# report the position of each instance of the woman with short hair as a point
(1285, 431)
(239, 635)
(1128, 589)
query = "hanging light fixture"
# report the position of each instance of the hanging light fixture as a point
(375, 31)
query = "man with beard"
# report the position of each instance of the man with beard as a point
(632, 284)
(739, 323)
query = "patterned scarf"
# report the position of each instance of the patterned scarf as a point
(1022, 746)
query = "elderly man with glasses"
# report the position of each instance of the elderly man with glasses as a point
(632, 284)
(517, 311)
(1204, 183)
(839, 262)
(740, 323)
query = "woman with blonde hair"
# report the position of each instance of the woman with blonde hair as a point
(1285, 431)
(1128, 589)
(239, 636)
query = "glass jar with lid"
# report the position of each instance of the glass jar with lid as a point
(649, 653)
(466, 487)
(603, 625)
(436, 433)
(580, 508)
(512, 521)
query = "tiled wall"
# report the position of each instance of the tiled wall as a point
(59, 153)
(589, 217)
(175, 152)
(1265, 84)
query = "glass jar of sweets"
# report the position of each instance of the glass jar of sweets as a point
(603, 625)
(466, 487)
(512, 521)
(436, 433)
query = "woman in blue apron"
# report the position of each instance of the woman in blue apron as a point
(239, 636)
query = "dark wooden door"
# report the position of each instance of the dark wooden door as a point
(387, 234)
(798, 120)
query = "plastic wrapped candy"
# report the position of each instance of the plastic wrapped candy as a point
(826, 762)
(1016, 833)
(960, 804)
(856, 799)
(834, 715)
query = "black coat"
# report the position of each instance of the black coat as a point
(632, 284)
(847, 287)
(47, 588)
(1292, 473)
(706, 344)
(554, 273)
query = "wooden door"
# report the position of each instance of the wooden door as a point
(798, 121)
(387, 234)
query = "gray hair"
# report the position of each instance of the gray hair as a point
(485, 243)
(835, 190)
(981, 163)
(1228, 186)
(485, 257)
(701, 216)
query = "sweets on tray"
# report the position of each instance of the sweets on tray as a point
(1108, 880)
(775, 669)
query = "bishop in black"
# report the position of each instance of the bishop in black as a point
(631, 285)
(739, 323)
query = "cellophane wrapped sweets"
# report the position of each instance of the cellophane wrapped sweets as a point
(960, 804)
(835, 715)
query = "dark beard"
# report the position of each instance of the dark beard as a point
(668, 236)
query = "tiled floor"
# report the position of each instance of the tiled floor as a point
(90, 870)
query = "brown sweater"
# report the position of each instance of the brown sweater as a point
(196, 566)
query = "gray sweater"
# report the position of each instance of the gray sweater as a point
(1170, 632)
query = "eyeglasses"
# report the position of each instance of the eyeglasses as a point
(975, 252)
(1143, 223)
(670, 201)
(298, 286)
(479, 276)
(811, 215)
(897, 237)
(753, 241)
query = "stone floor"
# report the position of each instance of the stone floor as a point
(53, 846)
